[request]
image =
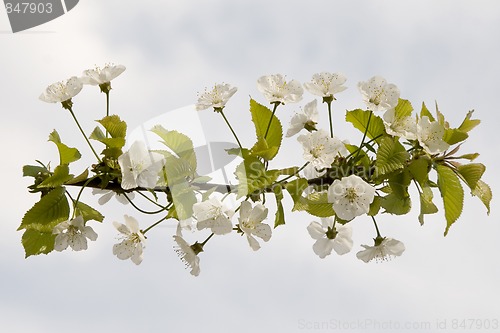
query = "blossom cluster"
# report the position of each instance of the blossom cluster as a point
(341, 198)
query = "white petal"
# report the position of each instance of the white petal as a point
(138, 255)
(105, 198)
(394, 247)
(263, 231)
(323, 247)
(195, 270)
(132, 224)
(61, 242)
(221, 226)
(316, 230)
(367, 254)
(89, 233)
(258, 213)
(122, 228)
(245, 210)
(78, 242)
(254, 244)
(124, 249)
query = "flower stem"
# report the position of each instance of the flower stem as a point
(364, 134)
(294, 174)
(206, 240)
(83, 133)
(231, 128)
(107, 109)
(271, 120)
(149, 199)
(376, 227)
(367, 142)
(75, 202)
(144, 211)
(330, 117)
(153, 225)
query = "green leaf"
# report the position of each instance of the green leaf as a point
(440, 117)
(114, 125)
(36, 242)
(396, 204)
(403, 109)
(33, 170)
(59, 177)
(179, 143)
(471, 173)
(88, 213)
(296, 187)
(469, 157)
(362, 158)
(262, 149)
(80, 178)
(110, 142)
(398, 200)
(266, 148)
(52, 209)
(66, 154)
(419, 169)
(391, 156)
(175, 169)
(468, 123)
(452, 194)
(184, 198)
(454, 135)
(252, 176)
(426, 204)
(375, 206)
(359, 119)
(317, 204)
(426, 113)
(483, 191)
(280, 214)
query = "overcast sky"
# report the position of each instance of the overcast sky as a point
(444, 51)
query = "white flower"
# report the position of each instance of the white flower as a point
(384, 250)
(188, 254)
(327, 237)
(378, 94)
(133, 241)
(307, 120)
(405, 127)
(73, 233)
(277, 90)
(106, 195)
(251, 223)
(430, 136)
(326, 84)
(216, 98)
(320, 149)
(99, 76)
(213, 214)
(62, 91)
(351, 196)
(140, 167)
(310, 172)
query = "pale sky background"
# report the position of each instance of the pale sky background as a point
(445, 51)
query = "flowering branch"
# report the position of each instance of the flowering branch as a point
(338, 182)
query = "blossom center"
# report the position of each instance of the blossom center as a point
(376, 99)
(351, 194)
(248, 225)
(331, 233)
(316, 151)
